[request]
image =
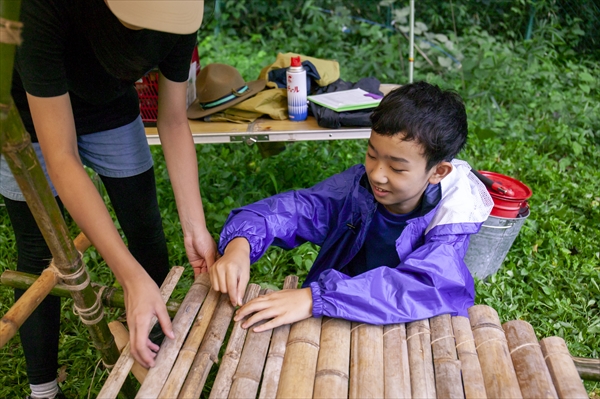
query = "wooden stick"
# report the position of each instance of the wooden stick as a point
(22, 309)
(562, 369)
(422, 381)
(167, 354)
(445, 360)
(366, 361)
(533, 375)
(231, 358)
(249, 370)
(498, 371)
(333, 363)
(119, 372)
(188, 351)
(121, 335)
(588, 369)
(300, 362)
(467, 354)
(209, 350)
(111, 296)
(272, 370)
(396, 367)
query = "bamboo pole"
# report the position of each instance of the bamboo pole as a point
(366, 361)
(111, 296)
(533, 375)
(333, 364)
(188, 351)
(396, 368)
(445, 360)
(471, 369)
(247, 376)
(562, 369)
(181, 324)
(496, 364)
(121, 335)
(422, 381)
(300, 361)
(22, 309)
(209, 350)
(272, 370)
(588, 369)
(230, 360)
(119, 373)
(16, 147)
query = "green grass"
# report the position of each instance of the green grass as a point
(533, 115)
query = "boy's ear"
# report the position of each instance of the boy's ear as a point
(440, 171)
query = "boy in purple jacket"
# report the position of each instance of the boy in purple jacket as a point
(393, 232)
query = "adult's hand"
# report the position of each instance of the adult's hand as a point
(231, 273)
(201, 251)
(142, 302)
(282, 307)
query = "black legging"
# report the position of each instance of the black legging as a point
(136, 207)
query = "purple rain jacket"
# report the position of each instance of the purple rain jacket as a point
(431, 279)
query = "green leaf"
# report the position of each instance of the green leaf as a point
(586, 77)
(585, 88)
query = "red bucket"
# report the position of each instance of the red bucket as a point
(508, 205)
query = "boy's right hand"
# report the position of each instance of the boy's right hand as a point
(231, 273)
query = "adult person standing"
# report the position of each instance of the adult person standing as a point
(73, 85)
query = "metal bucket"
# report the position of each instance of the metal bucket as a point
(488, 248)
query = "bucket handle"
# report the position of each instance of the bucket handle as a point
(498, 227)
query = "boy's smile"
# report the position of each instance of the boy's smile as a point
(396, 172)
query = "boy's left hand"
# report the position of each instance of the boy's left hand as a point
(283, 307)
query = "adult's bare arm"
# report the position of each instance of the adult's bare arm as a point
(180, 155)
(55, 128)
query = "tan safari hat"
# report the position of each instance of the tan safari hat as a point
(220, 86)
(172, 16)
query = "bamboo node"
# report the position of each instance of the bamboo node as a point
(302, 341)
(490, 340)
(9, 148)
(326, 372)
(360, 325)
(487, 325)
(246, 376)
(10, 31)
(527, 344)
(439, 339)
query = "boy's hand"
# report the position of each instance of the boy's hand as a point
(283, 307)
(230, 274)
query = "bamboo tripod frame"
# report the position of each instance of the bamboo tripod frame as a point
(67, 264)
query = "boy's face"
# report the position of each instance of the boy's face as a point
(396, 172)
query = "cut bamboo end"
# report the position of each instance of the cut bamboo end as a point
(496, 364)
(299, 365)
(448, 382)
(366, 361)
(231, 358)
(472, 375)
(121, 335)
(333, 363)
(82, 243)
(533, 375)
(418, 337)
(564, 374)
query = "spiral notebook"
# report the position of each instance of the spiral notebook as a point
(347, 100)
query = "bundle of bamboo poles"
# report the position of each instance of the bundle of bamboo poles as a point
(450, 357)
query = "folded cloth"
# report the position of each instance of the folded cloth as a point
(331, 119)
(329, 71)
(272, 102)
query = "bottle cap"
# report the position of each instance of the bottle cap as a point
(296, 62)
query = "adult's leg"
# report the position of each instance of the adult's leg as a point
(136, 206)
(40, 332)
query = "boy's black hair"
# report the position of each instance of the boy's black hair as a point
(434, 118)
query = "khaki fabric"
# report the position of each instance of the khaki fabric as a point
(272, 102)
(328, 69)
